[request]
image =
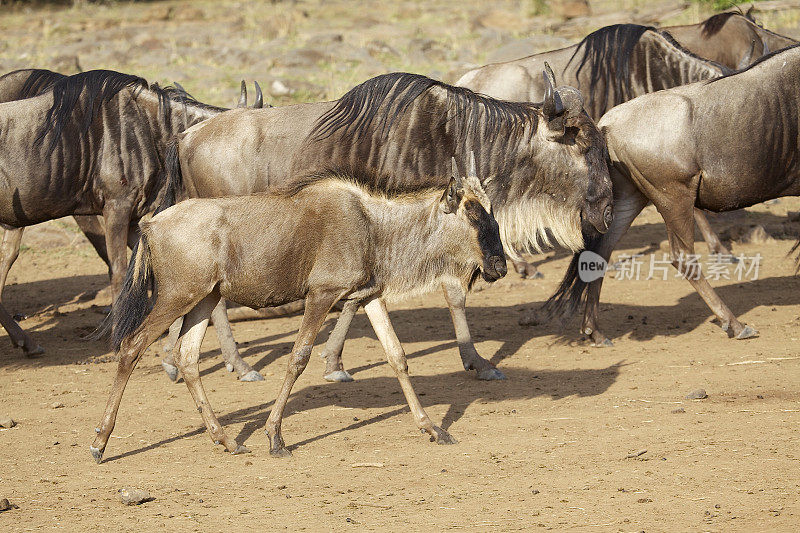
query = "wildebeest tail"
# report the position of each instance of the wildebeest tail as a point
(174, 178)
(135, 301)
(572, 290)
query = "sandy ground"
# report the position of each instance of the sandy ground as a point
(548, 448)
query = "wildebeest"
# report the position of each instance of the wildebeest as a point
(324, 238)
(718, 145)
(543, 165)
(609, 66)
(733, 39)
(92, 143)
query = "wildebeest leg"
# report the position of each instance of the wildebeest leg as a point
(18, 337)
(9, 251)
(713, 241)
(379, 318)
(332, 353)
(117, 216)
(192, 333)
(227, 344)
(456, 302)
(92, 227)
(166, 309)
(680, 230)
(173, 336)
(317, 306)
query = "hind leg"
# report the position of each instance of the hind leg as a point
(164, 312)
(317, 306)
(227, 344)
(456, 302)
(379, 318)
(18, 337)
(332, 353)
(192, 333)
(9, 251)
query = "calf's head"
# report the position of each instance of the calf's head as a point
(465, 199)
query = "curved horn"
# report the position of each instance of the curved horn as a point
(549, 71)
(473, 173)
(747, 58)
(259, 103)
(454, 172)
(179, 87)
(243, 96)
(552, 105)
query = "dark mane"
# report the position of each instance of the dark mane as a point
(756, 62)
(386, 98)
(712, 25)
(38, 81)
(607, 52)
(169, 95)
(99, 86)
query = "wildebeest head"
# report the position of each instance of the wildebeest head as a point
(466, 199)
(579, 152)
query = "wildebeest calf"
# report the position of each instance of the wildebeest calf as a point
(324, 239)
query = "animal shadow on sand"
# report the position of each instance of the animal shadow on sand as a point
(384, 392)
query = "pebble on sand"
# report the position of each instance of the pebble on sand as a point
(5, 505)
(56, 405)
(7, 422)
(131, 496)
(699, 394)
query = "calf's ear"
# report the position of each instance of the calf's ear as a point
(452, 196)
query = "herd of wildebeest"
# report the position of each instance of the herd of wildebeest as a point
(403, 184)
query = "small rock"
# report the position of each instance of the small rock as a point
(699, 394)
(678, 410)
(56, 405)
(5, 505)
(278, 88)
(635, 454)
(7, 422)
(644, 500)
(131, 496)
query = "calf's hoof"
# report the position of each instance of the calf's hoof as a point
(533, 275)
(491, 374)
(440, 436)
(280, 453)
(253, 375)
(229, 367)
(240, 449)
(605, 343)
(97, 454)
(342, 376)
(171, 370)
(33, 352)
(747, 332)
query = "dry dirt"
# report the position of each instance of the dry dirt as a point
(548, 448)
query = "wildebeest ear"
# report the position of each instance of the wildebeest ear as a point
(452, 196)
(242, 96)
(749, 13)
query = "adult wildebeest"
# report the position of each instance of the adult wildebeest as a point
(609, 66)
(543, 165)
(733, 39)
(718, 145)
(92, 143)
(325, 238)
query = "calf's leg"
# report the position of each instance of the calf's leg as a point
(456, 302)
(317, 306)
(19, 338)
(379, 318)
(192, 333)
(332, 353)
(227, 344)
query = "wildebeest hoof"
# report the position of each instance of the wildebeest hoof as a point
(605, 343)
(229, 367)
(533, 275)
(442, 437)
(491, 374)
(97, 454)
(747, 332)
(241, 448)
(171, 370)
(281, 452)
(342, 376)
(253, 375)
(33, 352)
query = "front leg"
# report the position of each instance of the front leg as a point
(18, 337)
(379, 318)
(456, 301)
(117, 215)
